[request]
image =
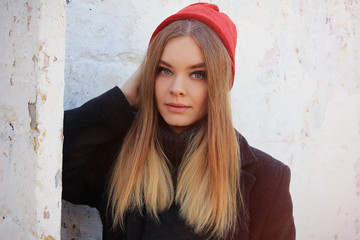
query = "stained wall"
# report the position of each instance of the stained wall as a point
(296, 93)
(32, 39)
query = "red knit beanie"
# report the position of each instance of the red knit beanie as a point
(210, 15)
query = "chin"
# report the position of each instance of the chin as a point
(177, 122)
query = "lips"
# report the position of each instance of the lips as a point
(176, 107)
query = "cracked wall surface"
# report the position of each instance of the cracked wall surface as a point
(296, 93)
(32, 37)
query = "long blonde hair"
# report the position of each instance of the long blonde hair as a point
(208, 181)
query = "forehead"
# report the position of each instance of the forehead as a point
(183, 50)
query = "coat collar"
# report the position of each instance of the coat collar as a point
(247, 155)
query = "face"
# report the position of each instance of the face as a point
(180, 86)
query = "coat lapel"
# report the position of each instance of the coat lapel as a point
(247, 182)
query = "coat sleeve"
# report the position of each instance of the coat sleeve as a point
(280, 222)
(92, 134)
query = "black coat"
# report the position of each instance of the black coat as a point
(93, 134)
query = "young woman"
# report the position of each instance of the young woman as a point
(177, 169)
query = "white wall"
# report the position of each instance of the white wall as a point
(32, 39)
(296, 93)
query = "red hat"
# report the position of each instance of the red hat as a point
(210, 15)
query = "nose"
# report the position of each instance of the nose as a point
(178, 86)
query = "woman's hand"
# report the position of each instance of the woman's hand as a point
(131, 89)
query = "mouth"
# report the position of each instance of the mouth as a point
(177, 107)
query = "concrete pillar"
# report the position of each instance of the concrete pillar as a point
(32, 39)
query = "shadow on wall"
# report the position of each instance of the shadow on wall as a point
(80, 222)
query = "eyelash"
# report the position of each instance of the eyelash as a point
(162, 69)
(203, 74)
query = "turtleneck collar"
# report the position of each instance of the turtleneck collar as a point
(174, 144)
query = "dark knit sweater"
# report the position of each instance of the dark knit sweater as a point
(174, 146)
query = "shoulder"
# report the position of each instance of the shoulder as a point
(265, 165)
(259, 163)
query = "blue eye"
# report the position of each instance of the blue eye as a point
(164, 71)
(199, 74)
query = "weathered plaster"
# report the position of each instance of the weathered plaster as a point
(296, 93)
(32, 36)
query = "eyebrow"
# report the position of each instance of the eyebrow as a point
(199, 65)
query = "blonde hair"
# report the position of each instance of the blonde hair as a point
(208, 182)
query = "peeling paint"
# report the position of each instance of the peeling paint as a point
(36, 144)
(47, 237)
(43, 96)
(34, 59)
(46, 62)
(28, 22)
(28, 8)
(7, 137)
(46, 213)
(32, 114)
